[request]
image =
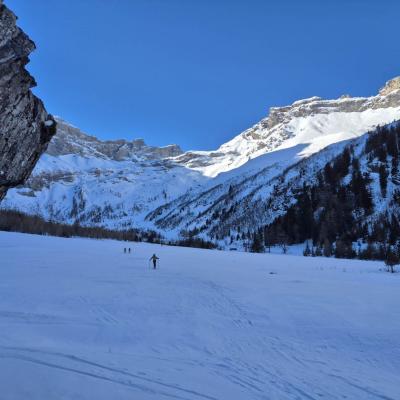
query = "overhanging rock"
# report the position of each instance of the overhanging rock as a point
(25, 126)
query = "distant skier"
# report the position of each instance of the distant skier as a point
(124, 249)
(129, 250)
(154, 258)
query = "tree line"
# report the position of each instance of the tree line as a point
(16, 221)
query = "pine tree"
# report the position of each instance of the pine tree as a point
(383, 175)
(307, 251)
(395, 170)
(392, 144)
(391, 260)
(327, 251)
(394, 230)
(257, 245)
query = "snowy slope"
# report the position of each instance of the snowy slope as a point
(112, 183)
(122, 184)
(246, 203)
(241, 203)
(315, 130)
(80, 319)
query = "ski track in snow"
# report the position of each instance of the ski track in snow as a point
(81, 320)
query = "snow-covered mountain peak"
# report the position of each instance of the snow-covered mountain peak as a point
(314, 121)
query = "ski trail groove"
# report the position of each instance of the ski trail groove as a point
(80, 360)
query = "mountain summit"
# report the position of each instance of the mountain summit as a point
(391, 86)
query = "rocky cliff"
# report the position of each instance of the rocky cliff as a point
(25, 126)
(71, 140)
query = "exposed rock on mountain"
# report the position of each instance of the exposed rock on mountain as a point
(70, 140)
(391, 86)
(25, 126)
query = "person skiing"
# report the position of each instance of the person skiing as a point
(154, 258)
(124, 249)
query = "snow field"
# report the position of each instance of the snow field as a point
(79, 319)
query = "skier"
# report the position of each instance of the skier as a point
(129, 250)
(154, 258)
(124, 249)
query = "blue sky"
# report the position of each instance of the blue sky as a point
(198, 72)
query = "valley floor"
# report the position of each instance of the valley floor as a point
(79, 319)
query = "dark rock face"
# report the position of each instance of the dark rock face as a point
(25, 126)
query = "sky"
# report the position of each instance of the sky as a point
(198, 72)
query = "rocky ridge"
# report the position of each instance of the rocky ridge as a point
(282, 124)
(71, 140)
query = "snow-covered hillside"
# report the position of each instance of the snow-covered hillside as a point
(114, 183)
(121, 184)
(349, 191)
(81, 319)
(242, 202)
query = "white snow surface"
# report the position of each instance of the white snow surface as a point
(82, 320)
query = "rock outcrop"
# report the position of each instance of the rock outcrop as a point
(71, 140)
(25, 126)
(392, 86)
(389, 96)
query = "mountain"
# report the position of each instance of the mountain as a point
(314, 121)
(113, 183)
(26, 128)
(122, 184)
(348, 192)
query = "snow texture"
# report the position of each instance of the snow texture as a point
(82, 320)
